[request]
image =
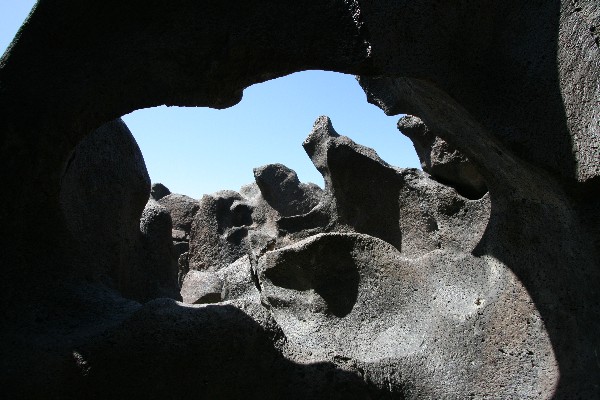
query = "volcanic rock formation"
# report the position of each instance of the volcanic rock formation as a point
(388, 283)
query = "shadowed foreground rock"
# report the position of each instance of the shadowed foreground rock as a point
(393, 285)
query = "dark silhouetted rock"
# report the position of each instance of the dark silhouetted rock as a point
(159, 278)
(441, 161)
(158, 191)
(103, 192)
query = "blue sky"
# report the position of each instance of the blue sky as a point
(199, 150)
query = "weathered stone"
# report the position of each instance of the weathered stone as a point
(182, 209)
(361, 201)
(443, 162)
(282, 189)
(355, 297)
(512, 85)
(178, 235)
(219, 231)
(159, 269)
(103, 192)
(239, 280)
(201, 288)
(158, 191)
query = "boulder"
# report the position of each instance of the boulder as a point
(219, 231)
(513, 313)
(158, 191)
(201, 288)
(103, 192)
(356, 299)
(360, 201)
(282, 190)
(182, 209)
(157, 274)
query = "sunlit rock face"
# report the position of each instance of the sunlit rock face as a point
(386, 283)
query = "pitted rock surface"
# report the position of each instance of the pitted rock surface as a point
(158, 191)
(506, 302)
(182, 210)
(282, 189)
(442, 161)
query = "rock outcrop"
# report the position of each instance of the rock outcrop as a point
(441, 161)
(158, 191)
(393, 285)
(282, 190)
(103, 191)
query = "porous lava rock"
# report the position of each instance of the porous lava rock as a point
(159, 277)
(440, 160)
(158, 191)
(509, 311)
(201, 287)
(103, 191)
(356, 298)
(182, 210)
(282, 189)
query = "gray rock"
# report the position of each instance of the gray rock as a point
(219, 231)
(282, 189)
(158, 277)
(178, 235)
(512, 85)
(103, 192)
(228, 226)
(201, 288)
(355, 297)
(360, 201)
(239, 281)
(158, 191)
(443, 162)
(182, 209)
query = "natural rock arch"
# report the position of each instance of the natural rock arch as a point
(512, 85)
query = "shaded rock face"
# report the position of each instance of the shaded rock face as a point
(441, 161)
(116, 239)
(158, 262)
(158, 191)
(494, 297)
(358, 298)
(182, 210)
(103, 192)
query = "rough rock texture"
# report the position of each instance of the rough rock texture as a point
(182, 210)
(158, 191)
(356, 298)
(512, 312)
(103, 191)
(441, 161)
(159, 277)
(282, 189)
(201, 288)
(223, 230)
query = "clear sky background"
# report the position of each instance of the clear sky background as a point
(200, 150)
